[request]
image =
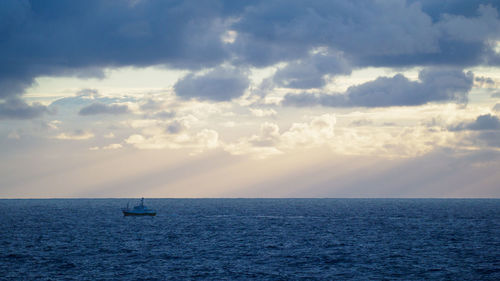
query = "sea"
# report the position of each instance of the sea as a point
(251, 239)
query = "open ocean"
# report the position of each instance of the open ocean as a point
(251, 239)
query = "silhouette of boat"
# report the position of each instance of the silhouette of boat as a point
(139, 210)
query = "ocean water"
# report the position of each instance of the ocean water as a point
(251, 239)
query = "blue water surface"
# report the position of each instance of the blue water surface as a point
(251, 239)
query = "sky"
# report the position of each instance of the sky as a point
(272, 98)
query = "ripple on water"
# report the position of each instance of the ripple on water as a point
(256, 239)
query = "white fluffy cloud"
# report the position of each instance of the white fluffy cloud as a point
(318, 131)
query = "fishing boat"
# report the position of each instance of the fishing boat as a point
(139, 210)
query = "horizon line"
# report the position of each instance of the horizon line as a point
(230, 198)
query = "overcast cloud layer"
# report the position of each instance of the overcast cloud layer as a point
(67, 38)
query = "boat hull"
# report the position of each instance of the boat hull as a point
(125, 213)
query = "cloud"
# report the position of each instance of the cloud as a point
(269, 135)
(100, 108)
(198, 142)
(152, 105)
(110, 135)
(373, 33)
(270, 141)
(12, 86)
(322, 133)
(473, 29)
(309, 72)
(435, 9)
(220, 84)
(15, 108)
(435, 85)
(496, 108)
(482, 123)
(112, 146)
(176, 127)
(89, 101)
(361, 123)
(482, 132)
(88, 93)
(274, 31)
(162, 115)
(263, 112)
(484, 81)
(53, 125)
(53, 39)
(490, 138)
(156, 109)
(75, 135)
(318, 131)
(485, 122)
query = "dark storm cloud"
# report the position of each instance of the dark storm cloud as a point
(308, 73)
(220, 84)
(101, 108)
(355, 27)
(377, 33)
(435, 85)
(15, 108)
(80, 38)
(11, 86)
(484, 122)
(466, 8)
